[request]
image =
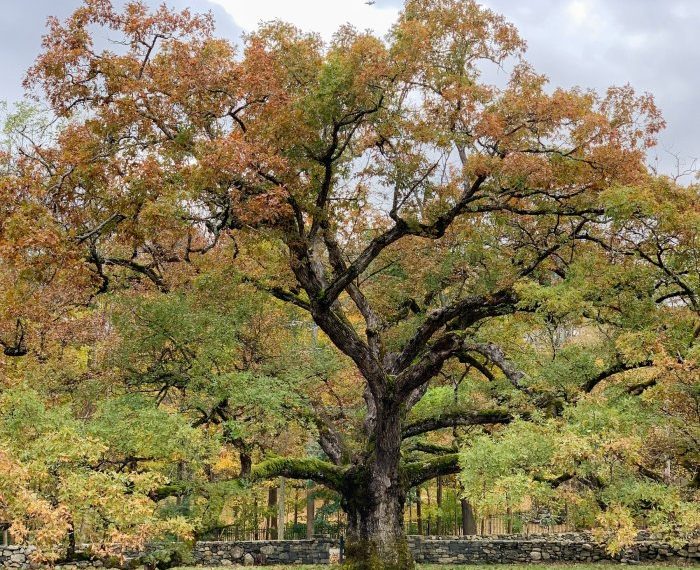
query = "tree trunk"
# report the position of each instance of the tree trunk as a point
(468, 520)
(256, 521)
(310, 512)
(70, 551)
(427, 494)
(281, 513)
(296, 507)
(438, 500)
(374, 499)
(272, 516)
(376, 538)
(419, 514)
(246, 464)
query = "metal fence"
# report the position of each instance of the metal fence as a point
(484, 527)
(233, 533)
(489, 527)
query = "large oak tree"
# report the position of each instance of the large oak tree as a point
(407, 194)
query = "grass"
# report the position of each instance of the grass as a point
(597, 566)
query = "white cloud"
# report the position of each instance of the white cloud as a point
(578, 10)
(587, 15)
(322, 16)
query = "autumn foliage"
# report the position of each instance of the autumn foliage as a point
(475, 249)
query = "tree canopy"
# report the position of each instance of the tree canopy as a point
(411, 249)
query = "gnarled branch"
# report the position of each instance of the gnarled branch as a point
(299, 468)
(466, 311)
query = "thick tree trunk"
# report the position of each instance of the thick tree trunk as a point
(376, 538)
(374, 500)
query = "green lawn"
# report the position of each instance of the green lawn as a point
(597, 566)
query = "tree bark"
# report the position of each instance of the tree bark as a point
(374, 498)
(310, 512)
(272, 517)
(419, 514)
(468, 519)
(376, 537)
(281, 514)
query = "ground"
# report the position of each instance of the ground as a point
(599, 566)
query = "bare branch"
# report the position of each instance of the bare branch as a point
(400, 229)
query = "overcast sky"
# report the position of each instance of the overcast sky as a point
(651, 44)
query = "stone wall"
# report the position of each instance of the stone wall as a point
(570, 547)
(14, 556)
(247, 553)
(316, 551)
(19, 557)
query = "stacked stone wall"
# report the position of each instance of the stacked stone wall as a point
(570, 547)
(317, 551)
(555, 548)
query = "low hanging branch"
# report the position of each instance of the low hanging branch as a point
(426, 447)
(299, 468)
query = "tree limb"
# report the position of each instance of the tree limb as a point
(299, 468)
(455, 418)
(468, 311)
(591, 383)
(418, 472)
(495, 354)
(400, 229)
(432, 448)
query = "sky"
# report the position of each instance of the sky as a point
(650, 44)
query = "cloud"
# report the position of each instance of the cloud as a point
(592, 43)
(321, 16)
(649, 44)
(23, 24)
(578, 10)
